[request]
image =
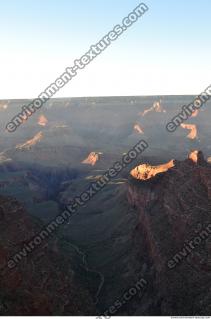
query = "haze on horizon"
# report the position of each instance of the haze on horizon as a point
(166, 52)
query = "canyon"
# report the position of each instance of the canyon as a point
(130, 230)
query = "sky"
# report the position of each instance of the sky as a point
(167, 51)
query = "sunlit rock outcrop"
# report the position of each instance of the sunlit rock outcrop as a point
(209, 159)
(137, 128)
(146, 171)
(196, 157)
(157, 107)
(92, 159)
(195, 113)
(193, 130)
(27, 145)
(42, 120)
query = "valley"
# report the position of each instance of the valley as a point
(134, 225)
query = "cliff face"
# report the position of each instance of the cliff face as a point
(174, 208)
(43, 283)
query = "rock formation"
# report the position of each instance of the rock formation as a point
(92, 159)
(157, 107)
(27, 145)
(146, 171)
(173, 210)
(138, 129)
(193, 130)
(42, 121)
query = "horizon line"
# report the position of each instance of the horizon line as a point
(98, 96)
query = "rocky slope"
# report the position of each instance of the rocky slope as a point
(44, 282)
(174, 208)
